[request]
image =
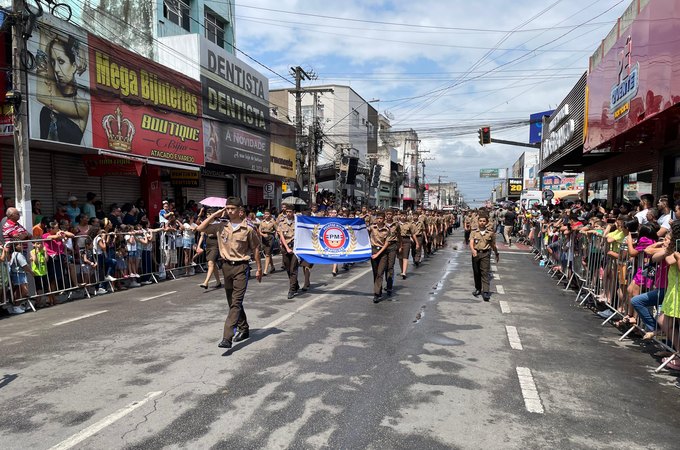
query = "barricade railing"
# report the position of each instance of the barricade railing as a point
(630, 287)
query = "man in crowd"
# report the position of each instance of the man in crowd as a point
(286, 230)
(72, 209)
(88, 207)
(508, 225)
(12, 230)
(236, 241)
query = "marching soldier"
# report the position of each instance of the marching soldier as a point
(379, 235)
(286, 230)
(482, 242)
(393, 248)
(267, 232)
(236, 241)
(420, 237)
(407, 231)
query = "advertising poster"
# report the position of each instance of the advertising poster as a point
(515, 187)
(234, 147)
(142, 108)
(59, 84)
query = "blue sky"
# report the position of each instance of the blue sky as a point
(490, 62)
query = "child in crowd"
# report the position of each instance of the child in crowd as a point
(38, 257)
(18, 269)
(132, 249)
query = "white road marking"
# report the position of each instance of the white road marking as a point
(316, 298)
(496, 276)
(105, 422)
(499, 289)
(81, 317)
(157, 296)
(494, 269)
(505, 307)
(513, 337)
(532, 400)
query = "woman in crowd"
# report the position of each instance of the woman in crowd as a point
(56, 251)
(189, 242)
(669, 320)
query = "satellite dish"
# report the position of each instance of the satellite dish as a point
(389, 115)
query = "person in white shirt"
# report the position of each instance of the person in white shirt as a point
(646, 202)
(665, 216)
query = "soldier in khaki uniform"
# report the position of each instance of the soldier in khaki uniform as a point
(392, 250)
(482, 242)
(420, 237)
(379, 235)
(236, 242)
(286, 230)
(267, 232)
(407, 231)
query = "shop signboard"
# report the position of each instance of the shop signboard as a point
(536, 126)
(184, 178)
(89, 92)
(635, 79)
(283, 155)
(489, 173)
(515, 187)
(106, 166)
(235, 147)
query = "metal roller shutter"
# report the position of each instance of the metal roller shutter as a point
(196, 193)
(216, 187)
(71, 178)
(42, 185)
(255, 195)
(120, 190)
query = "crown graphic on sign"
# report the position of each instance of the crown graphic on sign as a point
(119, 131)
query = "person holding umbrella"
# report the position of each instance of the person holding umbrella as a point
(236, 242)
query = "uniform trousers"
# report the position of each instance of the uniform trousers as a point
(417, 250)
(290, 263)
(405, 247)
(481, 267)
(378, 265)
(235, 285)
(391, 258)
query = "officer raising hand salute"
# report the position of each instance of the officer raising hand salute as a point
(482, 241)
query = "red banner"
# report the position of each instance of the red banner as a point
(101, 166)
(143, 108)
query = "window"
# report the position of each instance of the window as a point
(214, 29)
(636, 184)
(598, 190)
(177, 12)
(355, 118)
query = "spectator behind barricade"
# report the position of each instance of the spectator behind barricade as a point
(41, 228)
(18, 271)
(56, 250)
(616, 236)
(36, 208)
(162, 219)
(99, 210)
(61, 213)
(132, 250)
(141, 209)
(115, 216)
(189, 242)
(105, 264)
(89, 207)
(72, 209)
(169, 240)
(95, 224)
(665, 215)
(669, 320)
(12, 230)
(122, 268)
(88, 263)
(145, 244)
(646, 202)
(38, 258)
(130, 216)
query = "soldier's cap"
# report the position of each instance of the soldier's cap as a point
(234, 201)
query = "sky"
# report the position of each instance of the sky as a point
(441, 67)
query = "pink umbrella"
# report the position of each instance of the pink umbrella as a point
(214, 202)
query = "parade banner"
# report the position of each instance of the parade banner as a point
(142, 108)
(331, 240)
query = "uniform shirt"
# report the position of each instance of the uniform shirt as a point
(407, 229)
(268, 227)
(420, 225)
(394, 232)
(287, 230)
(236, 242)
(379, 236)
(482, 239)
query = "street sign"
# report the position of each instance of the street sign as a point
(515, 187)
(488, 173)
(548, 194)
(268, 191)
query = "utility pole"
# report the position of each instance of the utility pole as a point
(341, 173)
(439, 191)
(316, 144)
(300, 75)
(19, 99)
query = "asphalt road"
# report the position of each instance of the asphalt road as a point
(435, 368)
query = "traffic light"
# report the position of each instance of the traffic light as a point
(375, 178)
(484, 134)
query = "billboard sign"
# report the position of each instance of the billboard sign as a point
(536, 126)
(515, 187)
(489, 173)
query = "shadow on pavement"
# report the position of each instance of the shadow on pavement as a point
(255, 336)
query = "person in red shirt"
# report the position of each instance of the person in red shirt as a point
(12, 230)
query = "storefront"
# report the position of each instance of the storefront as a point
(632, 107)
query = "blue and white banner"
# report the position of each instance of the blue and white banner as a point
(331, 240)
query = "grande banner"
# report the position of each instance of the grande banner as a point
(88, 92)
(331, 240)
